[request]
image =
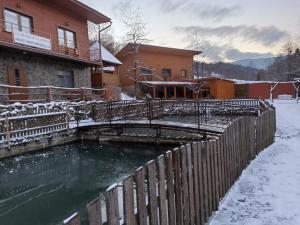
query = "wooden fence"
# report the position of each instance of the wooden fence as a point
(31, 123)
(42, 94)
(184, 186)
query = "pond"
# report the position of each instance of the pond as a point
(46, 187)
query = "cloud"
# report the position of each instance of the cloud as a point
(199, 9)
(168, 6)
(235, 54)
(214, 12)
(214, 52)
(267, 36)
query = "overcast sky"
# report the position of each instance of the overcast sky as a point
(230, 30)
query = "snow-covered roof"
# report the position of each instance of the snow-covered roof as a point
(105, 54)
(167, 83)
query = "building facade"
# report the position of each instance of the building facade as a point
(46, 43)
(154, 68)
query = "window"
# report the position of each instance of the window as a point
(146, 72)
(66, 38)
(166, 72)
(17, 77)
(184, 73)
(66, 79)
(17, 22)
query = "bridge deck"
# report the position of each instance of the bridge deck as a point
(216, 129)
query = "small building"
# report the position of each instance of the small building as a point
(216, 88)
(46, 43)
(108, 75)
(147, 63)
(262, 89)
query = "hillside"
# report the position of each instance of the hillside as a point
(260, 64)
(228, 70)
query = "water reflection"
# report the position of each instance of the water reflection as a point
(42, 189)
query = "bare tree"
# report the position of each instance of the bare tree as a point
(136, 34)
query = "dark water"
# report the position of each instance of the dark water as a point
(45, 188)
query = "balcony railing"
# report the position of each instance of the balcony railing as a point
(37, 40)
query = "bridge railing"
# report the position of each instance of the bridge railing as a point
(150, 109)
(183, 186)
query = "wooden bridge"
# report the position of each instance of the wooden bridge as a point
(34, 120)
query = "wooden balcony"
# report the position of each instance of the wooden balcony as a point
(42, 43)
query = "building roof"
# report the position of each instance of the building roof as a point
(166, 83)
(213, 78)
(105, 54)
(81, 9)
(157, 49)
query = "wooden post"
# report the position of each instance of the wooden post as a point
(175, 92)
(165, 92)
(112, 205)
(49, 95)
(128, 201)
(7, 130)
(67, 121)
(184, 92)
(82, 94)
(94, 213)
(154, 91)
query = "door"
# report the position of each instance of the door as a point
(17, 78)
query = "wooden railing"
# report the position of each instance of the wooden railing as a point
(184, 186)
(31, 123)
(10, 94)
(156, 108)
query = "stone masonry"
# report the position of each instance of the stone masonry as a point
(43, 71)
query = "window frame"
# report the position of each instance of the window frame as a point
(64, 75)
(146, 71)
(184, 73)
(164, 74)
(19, 21)
(65, 39)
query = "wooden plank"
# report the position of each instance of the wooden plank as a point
(170, 188)
(163, 217)
(94, 214)
(196, 183)
(128, 201)
(222, 166)
(152, 196)
(177, 187)
(190, 183)
(205, 180)
(112, 205)
(185, 187)
(217, 172)
(209, 178)
(140, 195)
(201, 182)
(72, 220)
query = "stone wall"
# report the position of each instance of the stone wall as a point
(42, 71)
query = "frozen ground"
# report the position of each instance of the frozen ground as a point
(268, 192)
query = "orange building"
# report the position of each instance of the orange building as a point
(261, 89)
(217, 88)
(156, 67)
(46, 43)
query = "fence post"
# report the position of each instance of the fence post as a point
(82, 94)
(49, 95)
(7, 130)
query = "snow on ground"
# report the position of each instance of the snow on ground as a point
(125, 97)
(268, 192)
